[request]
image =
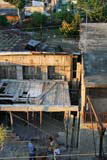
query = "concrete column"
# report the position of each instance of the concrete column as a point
(19, 72)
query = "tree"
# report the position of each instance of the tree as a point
(2, 136)
(66, 29)
(71, 29)
(38, 19)
(105, 12)
(93, 9)
(62, 15)
(3, 21)
(19, 5)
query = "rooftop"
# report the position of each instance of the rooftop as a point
(8, 11)
(11, 40)
(6, 5)
(93, 43)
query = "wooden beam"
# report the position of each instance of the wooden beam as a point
(97, 116)
(28, 118)
(66, 123)
(33, 117)
(40, 118)
(11, 120)
(95, 85)
(37, 108)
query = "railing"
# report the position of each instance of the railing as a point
(87, 118)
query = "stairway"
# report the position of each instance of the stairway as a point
(11, 136)
(50, 127)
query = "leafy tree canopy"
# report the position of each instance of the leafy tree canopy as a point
(93, 8)
(18, 3)
(3, 21)
(71, 29)
(38, 19)
(58, 17)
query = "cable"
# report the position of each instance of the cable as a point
(66, 155)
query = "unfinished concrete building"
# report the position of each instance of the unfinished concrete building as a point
(36, 82)
(94, 81)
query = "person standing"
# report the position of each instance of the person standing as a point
(51, 147)
(32, 151)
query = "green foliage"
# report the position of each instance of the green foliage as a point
(71, 29)
(58, 17)
(38, 19)
(18, 3)
(94, 9)
(66, 29)
(3, 21)
(104, 12)
(2, 136)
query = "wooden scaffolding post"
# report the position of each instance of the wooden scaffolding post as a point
(28, 118)
(40, 118)
(11, 119)
(33, 116)
(66, 123)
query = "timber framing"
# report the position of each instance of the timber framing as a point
(35, 108)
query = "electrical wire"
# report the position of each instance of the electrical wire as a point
(61, 155)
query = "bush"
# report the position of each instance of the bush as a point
(71, 29)
(3, 21)
(59, 17)
(2, 136)
(38, 19)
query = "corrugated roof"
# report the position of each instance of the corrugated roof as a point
(13, 40)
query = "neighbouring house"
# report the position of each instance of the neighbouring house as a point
(35, 6)
(43, 7)
(94, 69)
(9, 11)
(93, 43)
(67, 1)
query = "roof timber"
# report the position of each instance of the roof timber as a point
(37, 108)
(96, 113)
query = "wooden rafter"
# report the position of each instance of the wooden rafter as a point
(97, 116)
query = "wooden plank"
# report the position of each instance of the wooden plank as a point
(1, 83)
(11, 120)
(66, 94)
(40, 118)
(37, 108)
(16, 96)
(35, 89)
